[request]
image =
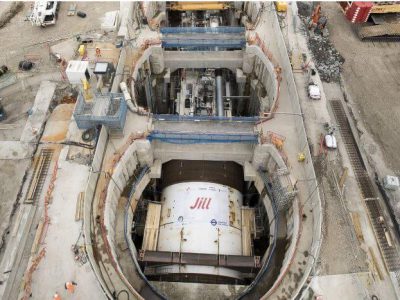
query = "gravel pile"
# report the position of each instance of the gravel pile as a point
(305, 9)
(327, 59)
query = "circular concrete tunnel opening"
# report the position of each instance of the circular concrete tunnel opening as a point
(201, 226)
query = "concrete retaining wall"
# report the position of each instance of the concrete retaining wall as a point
(255, 61)
(267, 156)
(144, 58)
(121, 175)
(88, 200)
(237, 152)
(203, 59)
(139, 153)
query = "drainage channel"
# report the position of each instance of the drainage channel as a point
(368, 192)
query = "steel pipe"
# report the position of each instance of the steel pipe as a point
(218, 93)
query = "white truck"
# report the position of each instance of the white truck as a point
(44, 13)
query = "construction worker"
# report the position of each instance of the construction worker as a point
(56, 296)
(70, 286)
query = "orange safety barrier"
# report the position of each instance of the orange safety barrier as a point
(278, 141)
(103, 195)
(147, 43)
(42, 235)
(28, 276)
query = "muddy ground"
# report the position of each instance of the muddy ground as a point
(371, 73)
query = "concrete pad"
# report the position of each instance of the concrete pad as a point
(108, 53)
(59, 266)
(348, 287)
(57, 124)
(110, 21)
(14, 150)
(194, 291)
(36, 120)
(66, 49)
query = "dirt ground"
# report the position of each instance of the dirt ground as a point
(11, 176)
(340, 252)
(20, 40)
(371, 72)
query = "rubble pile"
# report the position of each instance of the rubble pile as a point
(305, 8)
(327, 59)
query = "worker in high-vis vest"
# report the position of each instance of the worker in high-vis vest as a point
(70, 286)
(56, 296)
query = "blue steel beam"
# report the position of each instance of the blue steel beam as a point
(202, 138)
(211, 30)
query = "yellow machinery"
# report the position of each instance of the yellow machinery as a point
(81, 50)
(188, 6)
(86, 90)
(385, 8)
(281, 6)
(301, 157)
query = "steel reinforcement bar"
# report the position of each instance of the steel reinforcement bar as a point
(39, 176)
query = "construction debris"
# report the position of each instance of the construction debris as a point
(328, 60)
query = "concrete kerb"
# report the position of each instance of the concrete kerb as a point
(88, 203)
(303, 144)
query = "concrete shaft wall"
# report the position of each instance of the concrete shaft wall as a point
(88, 200)
(255, 61)
(138, 153)
(239, 153)
(251, 60)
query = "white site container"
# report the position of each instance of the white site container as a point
(77, 71)
(201, 217)
(110, 21)
(391, 182)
